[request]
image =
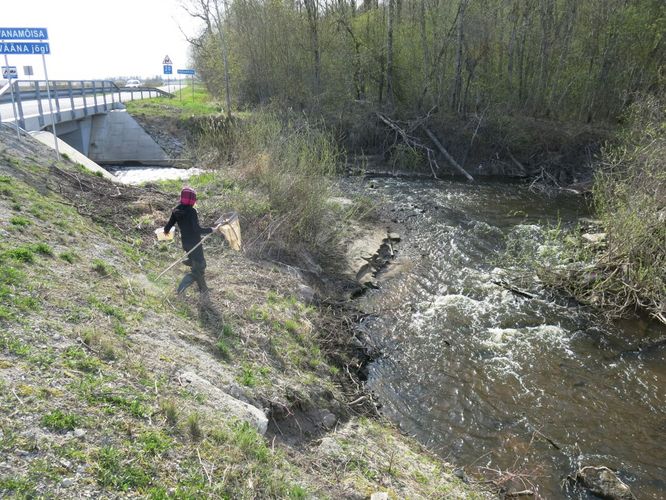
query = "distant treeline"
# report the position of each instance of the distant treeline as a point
(580, 60)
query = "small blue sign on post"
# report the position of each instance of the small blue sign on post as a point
(24, 34)
(185, 71)
(24, 48)
(9, 72)
(168, 69)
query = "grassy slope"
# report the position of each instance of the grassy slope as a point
(92, 346)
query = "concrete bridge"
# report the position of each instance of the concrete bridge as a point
(87, 115)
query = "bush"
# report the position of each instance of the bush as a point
(628, 272)
(292, 163)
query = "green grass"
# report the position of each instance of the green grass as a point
(42, 249)
(69, 256)
(106, 308)
(115, 469)
(19, 486)
(14, 345)
(170, 412)
(76, 358)
(194, 426)
(19, 221)
(223, 348)
(154, 442)
(21, 254)
(102, 268)
(60, 421)
(186, 102)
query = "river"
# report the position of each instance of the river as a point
(523, 389)
(135, 175)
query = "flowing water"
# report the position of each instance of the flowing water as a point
(138, 175)
(529, 386)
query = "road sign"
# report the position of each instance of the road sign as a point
(168, 69)
(9, 72)
(167, 60)
(24, 34)
(24, 48)
(185, 71)
(27, 71)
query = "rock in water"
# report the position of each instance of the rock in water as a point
(603, 482)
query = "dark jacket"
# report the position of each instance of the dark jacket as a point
(188, 222)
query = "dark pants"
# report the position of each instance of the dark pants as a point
(197, 264)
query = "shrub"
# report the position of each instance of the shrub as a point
(292, 162)
(628, 272)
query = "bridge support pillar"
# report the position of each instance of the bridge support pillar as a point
(77, 134)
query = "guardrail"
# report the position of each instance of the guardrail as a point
(92, 97)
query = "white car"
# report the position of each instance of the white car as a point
(133, 83)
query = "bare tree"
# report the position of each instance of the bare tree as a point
(208, 11)
(312, 11)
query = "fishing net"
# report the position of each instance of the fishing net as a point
(230, 229)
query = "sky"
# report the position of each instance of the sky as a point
(94, 39)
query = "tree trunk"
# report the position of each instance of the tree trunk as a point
(227, 91)
(457, 81)
(312, 10)
(389, 53)
(426, 53)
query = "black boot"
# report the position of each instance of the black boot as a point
(187, 280)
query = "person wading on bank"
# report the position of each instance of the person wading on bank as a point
(185, 215)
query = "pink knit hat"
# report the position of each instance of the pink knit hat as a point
(188, 196)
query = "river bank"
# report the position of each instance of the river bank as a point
(385, 304)
(112, 385)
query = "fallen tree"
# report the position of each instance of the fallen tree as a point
(404, 133)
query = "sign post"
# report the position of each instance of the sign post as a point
(168, 69)
(18, 44)
(191, 73)
(48, 94)
(8, 76)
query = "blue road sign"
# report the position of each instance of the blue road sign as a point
(168, 69)
(9, 72)
(185, 71)
(24, 34)
(24, 48)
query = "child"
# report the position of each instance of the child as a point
(185, 215)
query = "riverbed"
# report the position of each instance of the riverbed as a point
(522, 388)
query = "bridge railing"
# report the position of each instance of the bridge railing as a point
(70, 97)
